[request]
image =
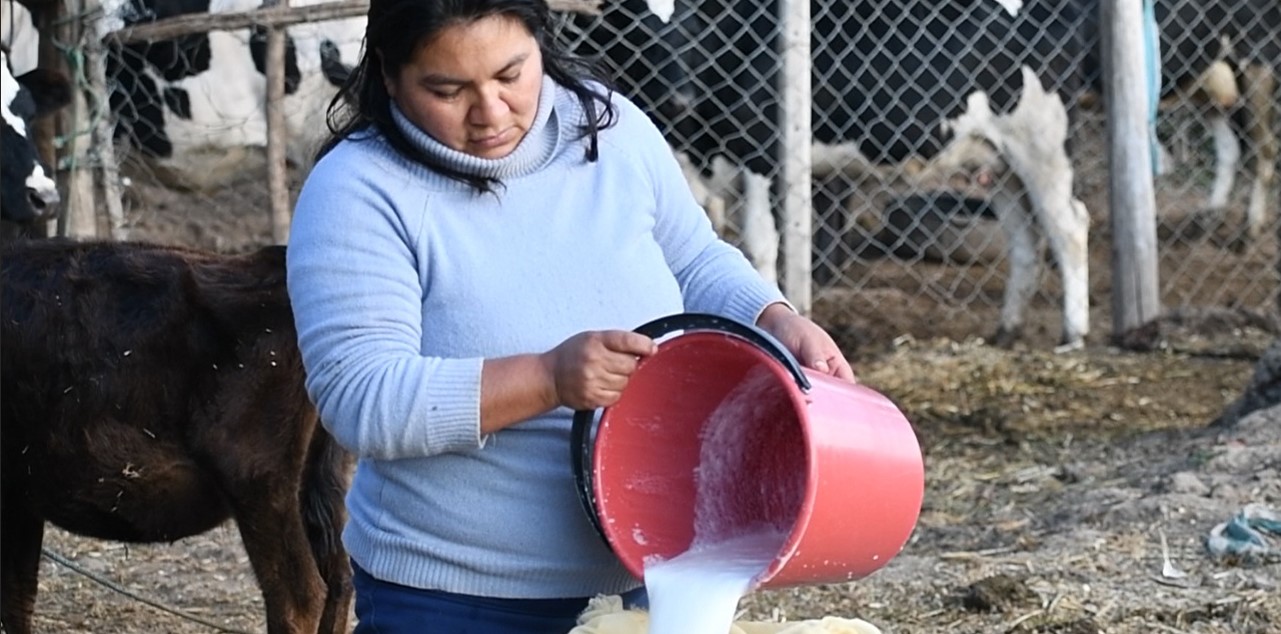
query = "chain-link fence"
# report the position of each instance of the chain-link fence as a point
(191, 124)
(1218, 196)
(885, 73)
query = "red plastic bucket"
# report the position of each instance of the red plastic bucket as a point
(834, 466)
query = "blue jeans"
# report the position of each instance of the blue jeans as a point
(387, 608)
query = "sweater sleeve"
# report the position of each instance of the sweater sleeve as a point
(356, 292)
(714, 276)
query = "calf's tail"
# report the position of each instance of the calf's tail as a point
(324, 485)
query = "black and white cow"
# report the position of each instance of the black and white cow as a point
(1245, 36)
(1220, 55)
(1224, 57)
(195, 105)
(27, 189)
(954, 82)
(651, 58)
(647, 55)
(895, 80)
(20, 36)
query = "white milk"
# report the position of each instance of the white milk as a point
(697, 592)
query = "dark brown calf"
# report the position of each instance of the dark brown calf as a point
(148, 394)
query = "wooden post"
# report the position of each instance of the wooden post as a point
(794, 152)
(1135, 290)
(79, 217)
(104, 149)
(277, 134)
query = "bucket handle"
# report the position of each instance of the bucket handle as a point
(580, 445)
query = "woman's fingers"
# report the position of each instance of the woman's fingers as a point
(628, 342)
(593, 368)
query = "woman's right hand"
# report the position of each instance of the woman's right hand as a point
(590, 369)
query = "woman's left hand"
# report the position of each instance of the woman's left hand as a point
(811, 345)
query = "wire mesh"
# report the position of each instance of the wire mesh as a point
(885, 73)
(190, 114)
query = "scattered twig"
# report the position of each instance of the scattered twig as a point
(1030, 615)
(1171, 575)
(1174, 583)
(1103, 611)
(966, 555)
(1167, 567)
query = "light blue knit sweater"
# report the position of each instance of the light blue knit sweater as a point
(402, 281)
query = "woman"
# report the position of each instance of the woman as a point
(466, 262)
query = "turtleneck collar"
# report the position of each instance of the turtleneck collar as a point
(533, 151)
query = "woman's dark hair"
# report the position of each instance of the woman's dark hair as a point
(394, 32)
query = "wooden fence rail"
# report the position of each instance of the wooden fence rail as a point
(280, 16)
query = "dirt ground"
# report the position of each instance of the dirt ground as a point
(1051, 482)
(1066, 493)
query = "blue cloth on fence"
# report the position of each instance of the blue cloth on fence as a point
(387, 608)
(1152, 67)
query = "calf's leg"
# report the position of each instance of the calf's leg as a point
(261, 469)
(20, 544)
(1023, 255)
(275, 539)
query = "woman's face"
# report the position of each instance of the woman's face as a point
(474, 87)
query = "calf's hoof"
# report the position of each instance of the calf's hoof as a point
(1006, 337)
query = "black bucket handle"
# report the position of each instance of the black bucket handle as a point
(583, 432)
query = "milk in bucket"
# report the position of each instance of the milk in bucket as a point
(697, 592)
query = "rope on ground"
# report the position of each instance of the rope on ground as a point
(111, 585)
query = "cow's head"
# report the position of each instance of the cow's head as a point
(27, 191)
